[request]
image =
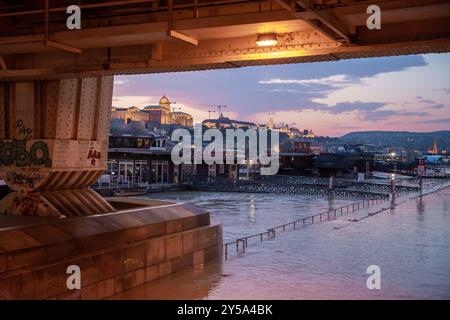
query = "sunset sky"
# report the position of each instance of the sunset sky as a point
(331, 98)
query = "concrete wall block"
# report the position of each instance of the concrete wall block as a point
(99, 290)
(213, 252)
(19, 287)
(134, 257)
(2, 111)
(174, 246)
(23, 258)
(198, 258)
(138, 277)
(111, 264)
(190, 241)
(156, 251)
(190, 222)
(156, 229)
(174, 226)
(208, 236)
(122, 283)
(3, 262)
(151, 273)
(183, 262)
(203, 219)
(90, 269)
(164, 268)
(51, 281)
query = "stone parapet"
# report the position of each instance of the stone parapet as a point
(115, 251)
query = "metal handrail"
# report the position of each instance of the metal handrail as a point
(271, 232)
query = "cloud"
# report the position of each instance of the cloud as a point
(434, 121)
(138, 101)
(423, 100)
(384, 114)
(366, 107)
(437, 106)
(120, 81)
(445, 90)
(368, 111)
(334, 81)
(283, 90)
(348, 127)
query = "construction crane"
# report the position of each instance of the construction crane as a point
(219, 107)
(209, 113)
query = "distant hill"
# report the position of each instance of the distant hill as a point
(413, 140)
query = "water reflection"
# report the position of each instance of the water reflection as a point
(420, 206)
(191, 284)
(252, 209)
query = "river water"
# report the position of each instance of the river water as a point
(410, 243)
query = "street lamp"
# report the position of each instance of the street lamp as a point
(267, 40)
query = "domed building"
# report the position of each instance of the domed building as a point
(161, 112)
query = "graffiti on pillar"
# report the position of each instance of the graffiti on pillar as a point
(23, 131)
(15, 153)
(27, 180)
(31, 204)
(94, 155)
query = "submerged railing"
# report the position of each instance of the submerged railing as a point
(242, 243)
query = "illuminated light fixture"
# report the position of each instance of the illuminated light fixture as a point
(267, 40)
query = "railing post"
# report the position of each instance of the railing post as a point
(226, 251)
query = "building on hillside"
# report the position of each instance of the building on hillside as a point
(129, 114)
(159, 114)
(182, 119)
(225, 123)
(284, 128)
(308, 134)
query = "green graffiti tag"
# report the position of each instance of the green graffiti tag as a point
(14, 153)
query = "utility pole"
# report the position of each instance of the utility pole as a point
(209, 113)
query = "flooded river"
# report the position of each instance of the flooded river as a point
(410, 243)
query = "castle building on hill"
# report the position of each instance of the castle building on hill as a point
(160, 114)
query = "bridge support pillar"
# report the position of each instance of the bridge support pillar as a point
(54, 144)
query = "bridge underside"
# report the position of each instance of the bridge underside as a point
(147, 36)
(56, 83)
